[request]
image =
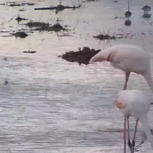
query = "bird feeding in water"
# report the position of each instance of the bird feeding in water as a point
(134, 103)
(128, 15)
(146, 8)
(128, 58)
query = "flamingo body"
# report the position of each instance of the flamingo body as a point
(128, 58)
(134, 103)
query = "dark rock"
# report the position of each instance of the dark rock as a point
(82, 56)
(30, 51)
(6, 82)
(56, 27)
(115, 1)
(20, 34)
(13, 4)
(37, 24)
(92, 0)
(20, 19)
(104, 37)
(5, 58)
(58, 8)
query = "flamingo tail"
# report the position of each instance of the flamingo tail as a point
(145, 124)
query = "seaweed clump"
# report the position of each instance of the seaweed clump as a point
(104, 37)
(32, 24)
(58, 8)
(30, 51)
(42, 26)
(20, 34)
(56, 27)
(20, 19)
(13, 4)
(82, 56)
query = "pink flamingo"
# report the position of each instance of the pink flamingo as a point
(134, 103)
(128, 58)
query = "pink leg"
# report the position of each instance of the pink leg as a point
(124, 135)
(127, 75)
(133, 141)
(129, 142)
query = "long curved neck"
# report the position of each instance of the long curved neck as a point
(149, 80)
(145, 124)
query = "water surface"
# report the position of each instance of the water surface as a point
(53, 106)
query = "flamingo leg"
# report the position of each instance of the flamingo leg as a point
(129, 142)
(133, 141)
(124, 135)
(127, 75)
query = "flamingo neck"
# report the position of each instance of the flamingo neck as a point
(149, 80)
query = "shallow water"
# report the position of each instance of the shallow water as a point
(53, 106)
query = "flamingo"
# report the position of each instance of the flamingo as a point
(128, 58)
(134, 103)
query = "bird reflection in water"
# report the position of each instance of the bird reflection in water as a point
(146, 10)
(128, 15)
